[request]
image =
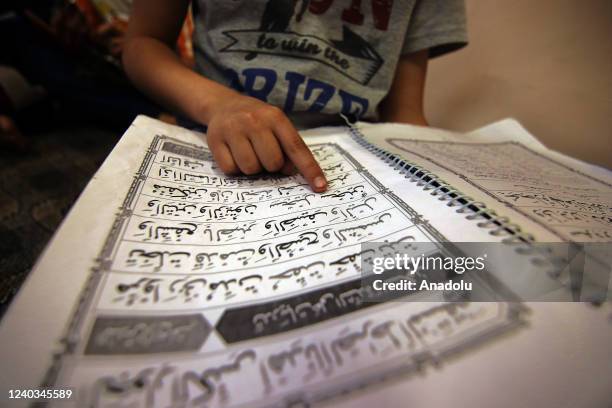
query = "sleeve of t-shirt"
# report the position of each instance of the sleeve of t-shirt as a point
(437, 25)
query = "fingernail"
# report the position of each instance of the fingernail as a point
(319, 182)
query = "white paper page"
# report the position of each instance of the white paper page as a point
(269, 265)
(180, 259)
(561, 360)
(511, 129)
(549, 195)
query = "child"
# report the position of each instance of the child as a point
(266, 66)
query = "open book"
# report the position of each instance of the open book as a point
(170, 284)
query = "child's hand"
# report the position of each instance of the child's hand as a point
(247, 135)
(244, 133)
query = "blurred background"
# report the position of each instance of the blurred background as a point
(64, 100)
(64, 103)
(547, 63)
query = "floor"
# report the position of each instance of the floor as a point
(37, 190)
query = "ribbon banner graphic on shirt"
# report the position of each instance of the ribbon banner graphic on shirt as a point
(353, 57)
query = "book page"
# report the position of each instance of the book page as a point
(170, 284)
(205, 284)
(555, 200)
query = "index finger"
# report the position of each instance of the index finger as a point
(299, 154)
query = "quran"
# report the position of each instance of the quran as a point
(170, 284)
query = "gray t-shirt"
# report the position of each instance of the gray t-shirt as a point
(318, 58)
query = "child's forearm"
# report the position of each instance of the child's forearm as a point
(157, 71)
(404, 102)
(244, 134)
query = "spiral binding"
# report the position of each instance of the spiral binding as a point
(476, 210)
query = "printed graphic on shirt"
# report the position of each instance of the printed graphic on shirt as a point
(351, 55)
(320, 92)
